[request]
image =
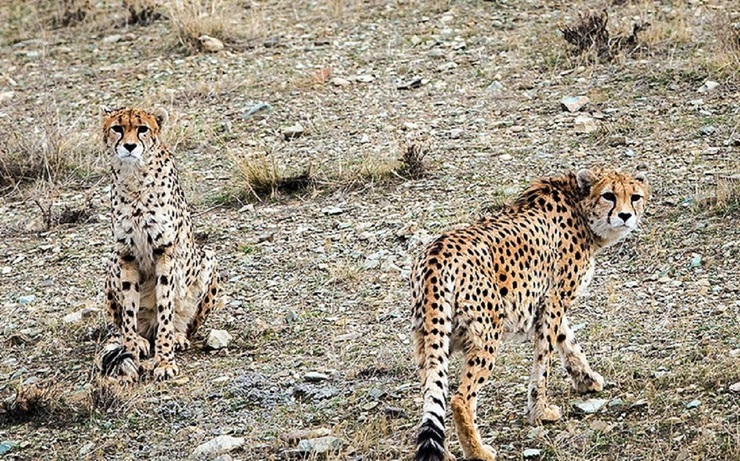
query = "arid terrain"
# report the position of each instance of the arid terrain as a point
(319, 149)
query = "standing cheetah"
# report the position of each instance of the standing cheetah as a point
(517, 272)
(160, 286)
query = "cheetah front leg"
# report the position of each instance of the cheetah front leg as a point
(210, 288)
(546, 330)
(575, 362)
(164, 343)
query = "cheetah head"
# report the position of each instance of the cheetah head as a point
(130, 133)
(615, 202)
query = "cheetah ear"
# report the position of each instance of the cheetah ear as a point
(642, 177)
(585, 178)
(161, 116)
(105, 111)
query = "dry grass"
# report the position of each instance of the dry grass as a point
(590, 36)
(53, 152)
(414, 163)
(263, 176)
(230, 22)
(726, 58)
(723, 199)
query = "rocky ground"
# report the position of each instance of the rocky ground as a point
(315, 280)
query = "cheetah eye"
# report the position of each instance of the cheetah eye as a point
(636, 197)
(143, 129)
(117, 129)
(609, 196)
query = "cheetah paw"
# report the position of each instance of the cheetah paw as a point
(546, 414)
(165, 370)
(181, 342)
(139, 346)
(589, 382)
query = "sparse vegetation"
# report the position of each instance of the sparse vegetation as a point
(590, 35)
(414, 161)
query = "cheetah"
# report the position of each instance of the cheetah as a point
(160, 286)
(514, 273)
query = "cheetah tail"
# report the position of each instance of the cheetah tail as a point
(436, 350)
(114, 360)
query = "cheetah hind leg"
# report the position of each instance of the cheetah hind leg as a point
(210, 281)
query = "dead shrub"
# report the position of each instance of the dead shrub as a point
(723, 199)
(66, 214)
(591, 35)
(414, 161)
(728, 40)
(142, 12)
(105, 396)
(72, 13)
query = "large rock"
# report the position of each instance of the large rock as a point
(218, 339)
(217, 446)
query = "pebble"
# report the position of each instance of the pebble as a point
(218, 339)
(6, 96)
(259, 108)
(338, 81)
(495, 87)
(112, 38)
(708, 86)
(332, 210)
(293, 131)
(505, 157)
(364, 78)
(585, 124)
(6, 446)
(210, 44)
(531, 453)
(218, 445)
(77, 317)
(574, 103)
(447, 66)
(320, 445)
(410, 85)
(639, 404)
(695, 260)
(590, 406)
(297, 435)
(28, 299)
(693, 404)
(615, 141)
(735, 387)
(614, 403)
(87, 448)
(314, 377)
(707, 130)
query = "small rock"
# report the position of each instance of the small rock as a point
(210, 44)
(574, 103)
(495, 87)
(332, 210)
(320, 445)
(365, 78)
(7, 445)
(28, 299)
(314, 377)
(396, 412)
(271, 42)
(531, 453)
(590, 406)
(218, 445)
(615, 141)
(536, 432)
(505, 157)
(297, 435)
(410, 85)
(218, 339)
(447, 66)
(87, 448)
(707, 130)
(291, 317)
(631, 284)
(293, 131)
(338, 81)
(585, 124)
(735, 387)
(259, 108)
(615, 403)
(639, 404)
(6, 96)
(708, 86)
(695, 260)
(76, 317)
(112, 38)
(693, 404)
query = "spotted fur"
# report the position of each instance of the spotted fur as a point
(160, 286)
(516, 272)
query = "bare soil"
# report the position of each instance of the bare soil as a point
(316, 280)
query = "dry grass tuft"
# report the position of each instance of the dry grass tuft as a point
(723, 199)
(414, 161)
(728, 40)
(591, 36)
(72, 12)
(51, 217)
(105, 396)
(264, 177)
(142, 12)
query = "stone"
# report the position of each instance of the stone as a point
(693, 404)
(87, 448)
(300, 434)
(218, 339)
(585, 124)
(314, 377)
(574, 103)
(531, 453)
(695, 260)
(210, 44)
(6, 96)
(410, 85)
(338, 81)
(293, 131)
(446, 66)
(495, 87)
(219, 445)
(735, 387)
(28, 299)
(320, 445)
(708, 86)
(615, 141)
(332, 210)
(112, 38)
(80, 315)
(589, 406)
(395, 412)
(707, 130)
(365, 78)
(259, 108)
(7, 445)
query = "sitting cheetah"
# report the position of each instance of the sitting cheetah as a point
(160, 286)
(517, 272)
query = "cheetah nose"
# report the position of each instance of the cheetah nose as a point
(129, 147)
(624, 216)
